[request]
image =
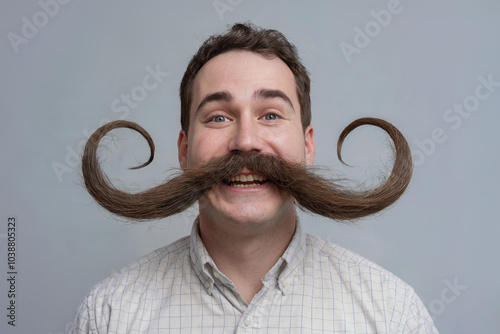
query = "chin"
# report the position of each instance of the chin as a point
(261, 214)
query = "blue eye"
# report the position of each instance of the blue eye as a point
(270, 117)
(219, 119)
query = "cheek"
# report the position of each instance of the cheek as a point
(204, 146)
(288, 144)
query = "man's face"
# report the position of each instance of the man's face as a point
(245, 102)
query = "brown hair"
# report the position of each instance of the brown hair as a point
(247, 37)
(312, 192)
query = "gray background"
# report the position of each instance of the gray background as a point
(59, 84)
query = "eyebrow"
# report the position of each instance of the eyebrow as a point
(273, 93)
(264, 93)
(223, 96)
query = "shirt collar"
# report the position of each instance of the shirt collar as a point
(292, 259)
(202, 263)
(282, 272)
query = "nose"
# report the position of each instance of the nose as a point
(246, 137)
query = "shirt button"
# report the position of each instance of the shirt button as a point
(284, 283)
(248, 321)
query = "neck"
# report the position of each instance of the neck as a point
(246, 252)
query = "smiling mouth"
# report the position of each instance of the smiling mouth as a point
(243, 181)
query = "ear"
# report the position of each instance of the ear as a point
(310, 145)
(182, 149)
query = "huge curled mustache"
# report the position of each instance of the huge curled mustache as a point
(311, 191)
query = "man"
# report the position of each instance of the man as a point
(244, 148)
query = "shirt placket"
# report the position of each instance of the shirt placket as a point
(255, 315)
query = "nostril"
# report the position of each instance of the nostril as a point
(245, 152)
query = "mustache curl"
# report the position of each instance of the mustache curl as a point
(312, 192)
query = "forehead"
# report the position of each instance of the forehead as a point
(242, 73)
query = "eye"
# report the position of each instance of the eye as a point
(270, 117)
(218, 119)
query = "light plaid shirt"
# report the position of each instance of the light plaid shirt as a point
(315, 287)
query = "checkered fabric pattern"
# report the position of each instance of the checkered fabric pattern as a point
(315, 287)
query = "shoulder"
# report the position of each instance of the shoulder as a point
(146, 269)
(348, 264)
(132, 286)
(142, 276)
(369, 286)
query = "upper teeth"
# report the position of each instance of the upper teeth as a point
(246, 178)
